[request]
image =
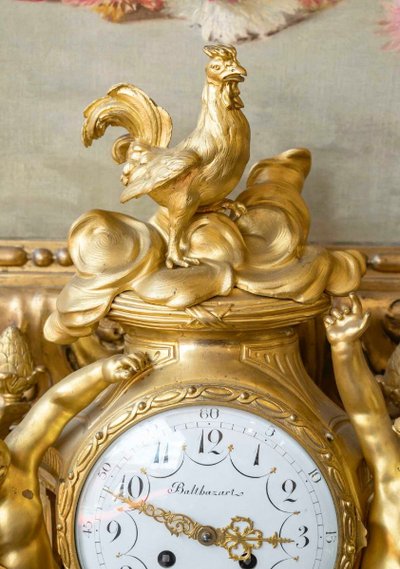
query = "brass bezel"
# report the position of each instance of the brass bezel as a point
(313, 439)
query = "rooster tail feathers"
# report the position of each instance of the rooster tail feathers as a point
(129, 107)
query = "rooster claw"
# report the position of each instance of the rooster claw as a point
(238, 209)
(176, 260)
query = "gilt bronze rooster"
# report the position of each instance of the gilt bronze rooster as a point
(197, 174)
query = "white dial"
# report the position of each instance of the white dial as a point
(212, 464)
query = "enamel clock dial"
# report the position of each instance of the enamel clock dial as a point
(213, 487)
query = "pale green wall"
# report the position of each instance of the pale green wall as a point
(324, 83)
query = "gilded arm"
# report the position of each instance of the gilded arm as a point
(358, 388)
(43, 424)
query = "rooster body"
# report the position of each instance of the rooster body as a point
(198, 173)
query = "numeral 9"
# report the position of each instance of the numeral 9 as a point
(114, 528)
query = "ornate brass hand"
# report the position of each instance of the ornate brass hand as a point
(239, 537)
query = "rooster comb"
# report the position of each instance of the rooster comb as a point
(222, 51)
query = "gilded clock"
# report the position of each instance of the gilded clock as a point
(233, 461)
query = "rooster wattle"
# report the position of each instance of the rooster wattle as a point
(197, 174)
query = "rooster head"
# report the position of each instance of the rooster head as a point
(225, 71)
(223, 65)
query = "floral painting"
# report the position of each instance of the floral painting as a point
(233, 20)
(219, 20)
(390, 25)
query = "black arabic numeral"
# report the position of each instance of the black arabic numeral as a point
(289, 486)
(213, 439)
(201, 447)
(121, 490)
(135, 483)
(257, 458)
(164, 458)
(114, 529)
(303, 539)
(134, 487)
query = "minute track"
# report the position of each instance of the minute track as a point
(213, 493)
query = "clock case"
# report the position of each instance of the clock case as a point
(239, 351)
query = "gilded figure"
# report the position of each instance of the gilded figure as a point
(364, 402)
(24, 542)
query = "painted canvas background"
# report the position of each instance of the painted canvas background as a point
(324, 83)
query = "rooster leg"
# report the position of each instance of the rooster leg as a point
(183, 206)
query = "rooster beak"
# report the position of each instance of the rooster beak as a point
(235, 72)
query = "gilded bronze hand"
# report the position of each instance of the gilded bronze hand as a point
(348, 324)
(239, 537)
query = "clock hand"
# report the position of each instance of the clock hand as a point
(177, 524)
(239, 538)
